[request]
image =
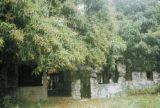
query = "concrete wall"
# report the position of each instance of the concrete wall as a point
(35, 93)
(106, 90)
(140, 85)
(139, 76)
(96, 90)
(139, 81)
(121, 89)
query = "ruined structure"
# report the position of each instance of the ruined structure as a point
(98, 89)
(121, 88)
(65, 84)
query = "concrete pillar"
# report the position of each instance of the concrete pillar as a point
(156, 77)
(93, 85)
(93, 88)
(45, 86)
(76, 89)
(121, 68)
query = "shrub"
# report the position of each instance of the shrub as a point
(8, 102)
(153, 90)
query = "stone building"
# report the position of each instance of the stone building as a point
(98, 88)
(39, 87)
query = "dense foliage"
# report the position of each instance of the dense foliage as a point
(62, 35)
(139, 23)
(57, 35)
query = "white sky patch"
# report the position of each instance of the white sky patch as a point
(81, 8)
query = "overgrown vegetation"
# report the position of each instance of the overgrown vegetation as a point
(8, 102)
(68, 34)
(139, 23)
(57, 35)
(76, 35)
(146, 91)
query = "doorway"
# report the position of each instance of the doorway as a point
(59, 84)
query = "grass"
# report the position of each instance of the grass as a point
(145, 101)
(153, 90)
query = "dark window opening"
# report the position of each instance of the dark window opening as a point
(59, 84)
(106, 75)
(27, 78)
(150, 76)
(99, 78)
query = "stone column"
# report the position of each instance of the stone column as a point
(156, 77)
(93, 85)
(121, 68)
(76, 89)
(45, 86)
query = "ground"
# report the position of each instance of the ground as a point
(147, 101)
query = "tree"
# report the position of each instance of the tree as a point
(138, 26)
(55, 38)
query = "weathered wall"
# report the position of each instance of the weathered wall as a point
(139, 81)
(97, 90)
(106, 90)
(140, 85)
(35, 93)
(76, 89)
(139, 76)
(121, 89)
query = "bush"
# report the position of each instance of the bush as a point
(154, 90)
(157, 89)
(8, 102)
